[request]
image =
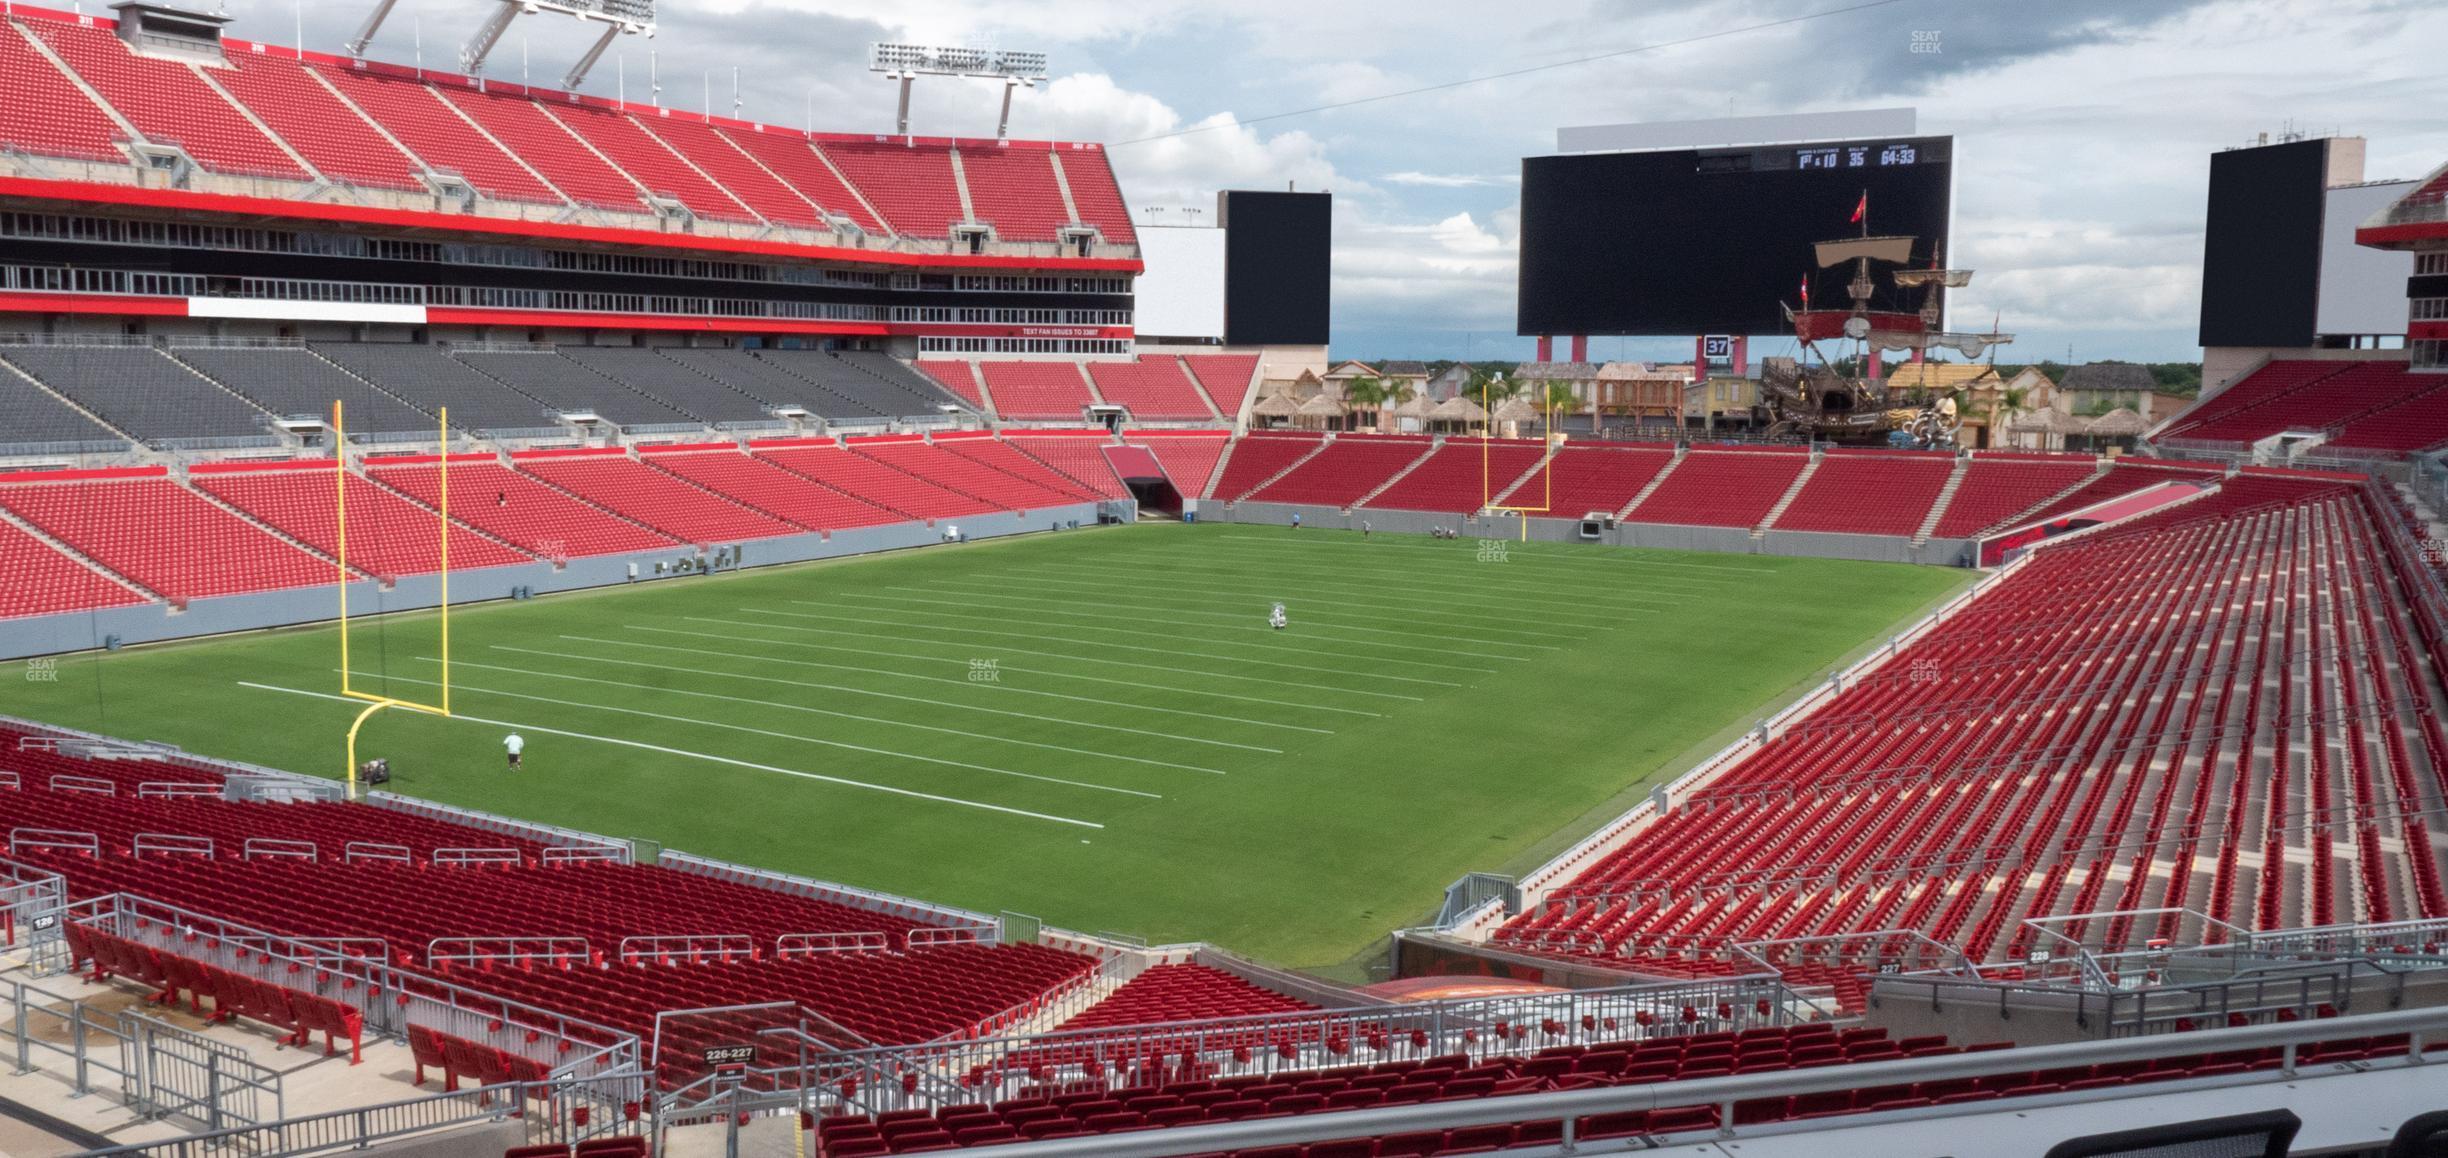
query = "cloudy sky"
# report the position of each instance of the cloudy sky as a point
(2084, 127)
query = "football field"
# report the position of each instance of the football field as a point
(1097, 728)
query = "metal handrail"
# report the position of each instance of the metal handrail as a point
(1724, 1092)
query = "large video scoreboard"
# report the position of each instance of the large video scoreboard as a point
(1673, 242)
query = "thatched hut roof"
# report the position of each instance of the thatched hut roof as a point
(2122, 422)
(1323, 406)
(1276, 406)
(2047, 420)
(1517, 409)
(1458, 409)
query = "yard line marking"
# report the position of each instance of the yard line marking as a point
(1476, 617)
(818, 711)
(1541, 556)
(1061, 675)
(843, 744)
(1002, 648)
(920, 700)
(984, 614)
(1559, 593)
(914, 676)
(1171, 609)
(711, 758)
(1129, 647)
(1558, 586)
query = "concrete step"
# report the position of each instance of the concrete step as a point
(1786, 500)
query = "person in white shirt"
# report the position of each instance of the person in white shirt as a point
(515, 743)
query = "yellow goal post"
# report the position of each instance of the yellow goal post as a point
(340, 477)
(1491, 487)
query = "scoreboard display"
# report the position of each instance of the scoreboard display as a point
(1683, 242)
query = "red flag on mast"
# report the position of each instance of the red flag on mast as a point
(1861, 208)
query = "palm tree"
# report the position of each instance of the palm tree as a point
(1396, 393)
(2009, 400)
(1560, 400)
(1488, 388)
(1365, 394)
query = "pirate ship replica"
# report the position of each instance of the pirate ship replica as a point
(1809, 397)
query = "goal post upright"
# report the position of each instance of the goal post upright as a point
(348, 690)
(1487, 481)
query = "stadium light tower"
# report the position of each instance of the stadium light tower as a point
(618, 17)
(907, 62)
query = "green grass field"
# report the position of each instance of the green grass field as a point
(1148, 757)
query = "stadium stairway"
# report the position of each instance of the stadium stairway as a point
(1654, 484)
(1276, 473)
(187, 483)
(1792, 492)
(1078, 458)
(1546, 462)
(1398, 475)
(41, 575)
(1009, 459)
(1946, 499)
(2098, 472)
(1215, 473)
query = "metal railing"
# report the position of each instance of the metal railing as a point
(90, 1044)
(984, 1071)
(357, 973)
(1724, 1094)
(906, 908)
(359, 1128)
(191, 1076)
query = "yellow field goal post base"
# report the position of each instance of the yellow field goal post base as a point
(1488, 489)
(375, 703)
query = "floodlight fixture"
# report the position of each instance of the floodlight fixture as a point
(905, 63)
(619, 18)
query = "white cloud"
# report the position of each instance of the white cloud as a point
(1447, 180)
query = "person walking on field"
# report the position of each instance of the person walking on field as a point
(515, 743)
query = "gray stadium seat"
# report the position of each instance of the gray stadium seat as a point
(743, 372)
(648, 372)
(860, 385)
(141, 391)
(922, 390)
(34, 416)
(293, 383)
(565, 385)
(429, 379)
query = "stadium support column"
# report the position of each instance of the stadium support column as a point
(1742, 356)
(1580, 347)
(1878, 364)
(1700, 358)
(1546, 348)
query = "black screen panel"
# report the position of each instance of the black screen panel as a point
(2261, 245)
(1707, 241)
(1278, 266)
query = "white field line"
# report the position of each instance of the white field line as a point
(1550, 591)
(1134, 647)
(1158, 610)
(890, 753)
(988, 736)
(1455, 558)
(1541, 556)
(1062, 675)
(1396, 608)
(963, 707)
(910, 793)
(764, 639)
(1046, 654)
(1261, 629)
